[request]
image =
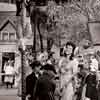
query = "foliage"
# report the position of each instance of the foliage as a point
(68, 22)
(90, 8)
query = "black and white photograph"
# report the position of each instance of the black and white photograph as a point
(49, 49)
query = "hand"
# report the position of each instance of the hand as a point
(28, 97)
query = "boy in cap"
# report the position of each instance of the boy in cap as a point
(31, 79)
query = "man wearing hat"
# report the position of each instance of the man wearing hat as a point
(31, 79)
(46, 83)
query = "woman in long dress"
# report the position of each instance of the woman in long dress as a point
(68, 69)
(9, 71)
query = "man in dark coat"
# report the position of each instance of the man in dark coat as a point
(91, 90)
(31, 79)
(46, 84)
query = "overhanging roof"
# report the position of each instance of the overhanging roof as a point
(6, 22)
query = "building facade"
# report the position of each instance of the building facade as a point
(8, 38)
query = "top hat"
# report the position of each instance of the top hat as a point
(49, 67)
(35, 64)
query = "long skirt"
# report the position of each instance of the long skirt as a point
(68, 93)
(9, 79)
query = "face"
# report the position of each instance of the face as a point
(37, 69)
(42, 58)
(80, 58)
(69, 49)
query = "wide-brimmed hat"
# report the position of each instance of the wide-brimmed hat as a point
(49, 67)
(35, 64)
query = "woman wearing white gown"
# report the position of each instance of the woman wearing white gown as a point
(68, 69)
(9, 71)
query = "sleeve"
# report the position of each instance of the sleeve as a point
(60, 65)
(96, 65)
(4, 67)
(75, 67)
(36, 90)
(53, 85)
(86, 79)
(27, 86)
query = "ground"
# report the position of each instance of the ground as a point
(8, 94)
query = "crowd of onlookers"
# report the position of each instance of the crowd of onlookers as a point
(75, 76)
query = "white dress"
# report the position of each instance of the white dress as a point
(9, 71)
(68, 69)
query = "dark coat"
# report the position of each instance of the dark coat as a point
(45, 87)
(91, 91)
(30, 84)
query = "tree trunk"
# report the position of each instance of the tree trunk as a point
(41, 39)
(34, 38)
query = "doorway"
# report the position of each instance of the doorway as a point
(5, 57)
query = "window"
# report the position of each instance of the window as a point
(5, 36)
(11, 36)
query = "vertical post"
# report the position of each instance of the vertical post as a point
(23, 16)
(23, 76)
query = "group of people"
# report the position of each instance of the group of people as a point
(67, 80)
